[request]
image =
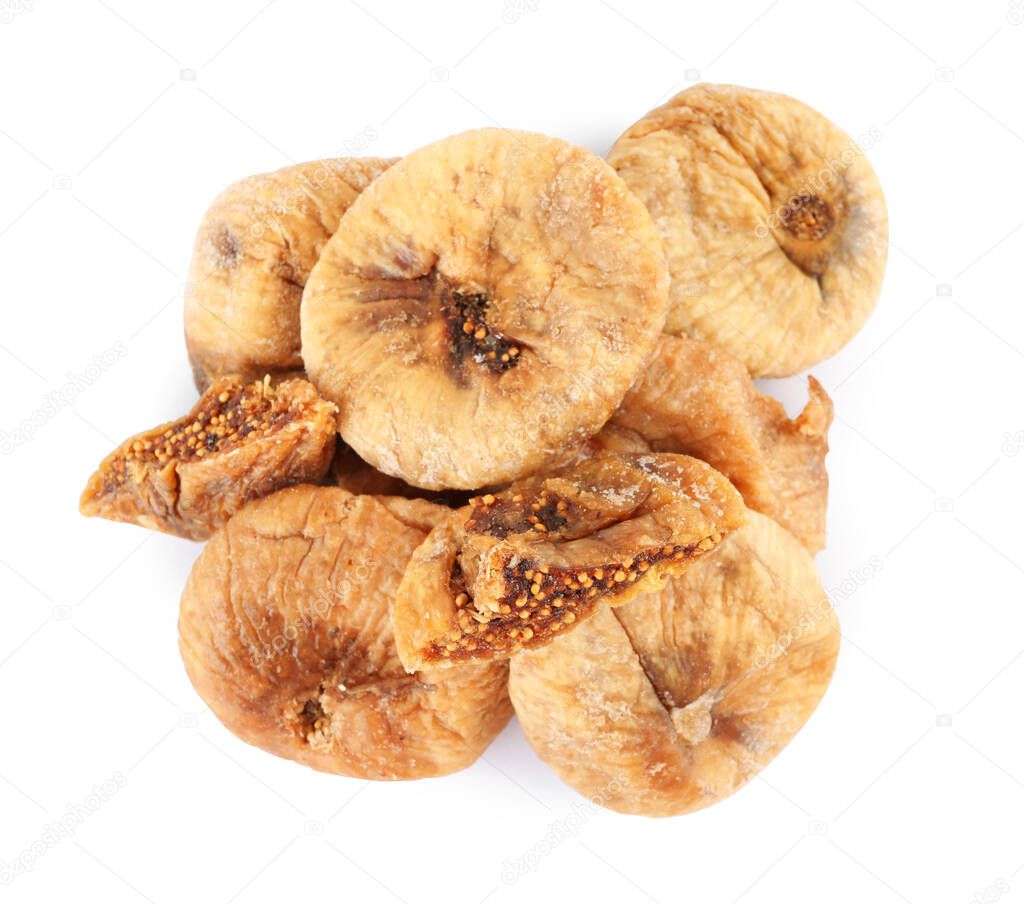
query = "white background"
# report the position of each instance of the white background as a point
(121, 120)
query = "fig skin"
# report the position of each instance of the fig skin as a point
(483, 306)
(253, 253)
(239, 442)
(676, 700)
(517, 569)
(284, 631)
(774, 224)
(698, 400)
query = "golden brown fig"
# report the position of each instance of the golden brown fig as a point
(253, 253)
(483, 306)
(698, 400)
(514, 569)
(676, 700)
(774, 223)
(240, 442)
(285, 633)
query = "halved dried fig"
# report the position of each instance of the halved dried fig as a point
(483, 305)
(514, 569)
(253, 253)
(284, 631)
(774, 223)
(676, 700)
(698, 400)
(241, 441)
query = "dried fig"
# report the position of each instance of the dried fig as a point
(253, 253)
(674, 701)
(284, 631)
(774, 223)
(483, 306)
(698, 400)
(513, 569)
(240, 441)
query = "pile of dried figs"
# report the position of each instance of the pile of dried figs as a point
(478, 434)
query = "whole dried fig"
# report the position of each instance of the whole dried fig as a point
(483, 306)
(774, 223)
(698, 400)
(285, 633)
(676, 700)
(253, 253)
(240, 442)
(514, 569)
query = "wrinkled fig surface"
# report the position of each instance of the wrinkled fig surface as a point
(774, 223)
(285, 633)
(483, 305)
(255, 248)
(241, 441)
(674, 701)
(515, 569)
(698, 400)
